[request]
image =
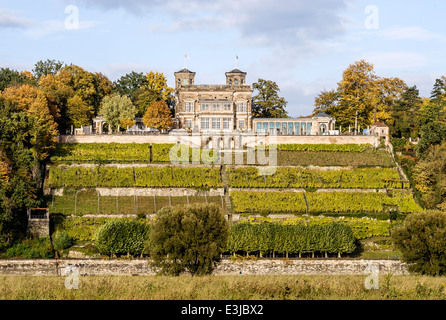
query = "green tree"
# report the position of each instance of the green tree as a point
(434, 109)
(44, 68)
(430, 177)
(10, 78)
(267, 103)
(118, 111)
(189, 238)
(433, 133)
(422, 241)
(129, 84)
(406, 114)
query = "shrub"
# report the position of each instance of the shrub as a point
(61, 241)
(189, 238)
(119, 237)
(32, 249)
(422, 241)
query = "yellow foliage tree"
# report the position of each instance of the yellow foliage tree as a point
(158, 116)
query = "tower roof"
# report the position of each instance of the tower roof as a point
(236, 70)
(322, 115)
(184, 70)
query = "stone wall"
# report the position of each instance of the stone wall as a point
(38, 228)
(157, 139)
(227, 267)
(147, 192)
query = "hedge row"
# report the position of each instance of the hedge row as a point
(169, 176)
(324, 202)
(133, 238)
(271, 239)
(320, 147)
(118, 153)
(289, 177)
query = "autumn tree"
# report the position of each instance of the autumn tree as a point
(158, 116)
(118, 111)
(155, 89)
(361, 95)
(267, 103)
(58, 90)
(79, 112)
(90, 87)
(18, 190)
(43, 130)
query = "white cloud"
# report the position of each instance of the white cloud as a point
(397, 59)
(409, 33)
(12, 19)
(50, 27)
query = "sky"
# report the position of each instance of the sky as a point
(303, 46)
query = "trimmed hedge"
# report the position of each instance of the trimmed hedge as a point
(120, 237)
(289, 177)
(166, 176)
(323, 202)
(271, 238)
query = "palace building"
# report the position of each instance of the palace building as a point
(207, 107)
(228, 107)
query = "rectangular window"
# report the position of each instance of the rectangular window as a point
(227, 107)
(296, 128)
(259, 127)
(290, 128)
(271, 127)
(226, 124)
(204, 107)
(265, 127)
(189, 107)
(302, 128)
(241, 107)
(309, 128)
(204, 123)
(241, 124)
(215, 107)
(216, 123)
(277, 127)
(189, 124)
(284, 129)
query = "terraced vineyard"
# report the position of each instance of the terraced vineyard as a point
(354, 185)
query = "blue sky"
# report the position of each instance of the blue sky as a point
(304, 46)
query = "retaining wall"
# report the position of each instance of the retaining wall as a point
(158, 139)
(226, 267)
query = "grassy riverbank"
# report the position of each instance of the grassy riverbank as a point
(223, 288)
